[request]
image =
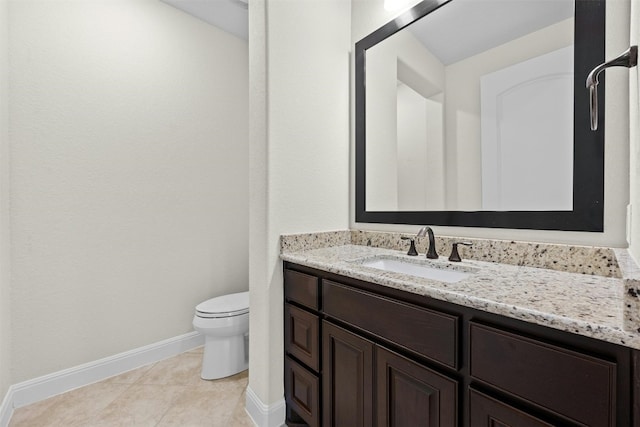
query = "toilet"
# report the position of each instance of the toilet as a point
(224, 322)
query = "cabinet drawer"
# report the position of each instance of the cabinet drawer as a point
(301, 335)
(576, 386)
(485, 411)
(301, 288)
(302, 392)
(429, 333)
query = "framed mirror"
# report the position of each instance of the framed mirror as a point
(475, 113)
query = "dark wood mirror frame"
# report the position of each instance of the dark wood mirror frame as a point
(588, 158)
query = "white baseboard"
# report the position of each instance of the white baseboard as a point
(265, 415)
(41, 388)
(6, 410)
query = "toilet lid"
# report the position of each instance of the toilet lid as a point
(224, 306)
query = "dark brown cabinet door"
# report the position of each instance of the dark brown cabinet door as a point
(347, 378)
(411, 395)
(485, 411)
(302, 392)
(301, 335)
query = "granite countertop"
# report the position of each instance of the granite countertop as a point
(590, 305)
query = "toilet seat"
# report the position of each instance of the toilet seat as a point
(224, 306)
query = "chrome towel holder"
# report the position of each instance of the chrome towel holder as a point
(627, 59)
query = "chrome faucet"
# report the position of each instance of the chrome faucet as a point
(427, 231)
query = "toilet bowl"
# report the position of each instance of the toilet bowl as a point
(224, 322)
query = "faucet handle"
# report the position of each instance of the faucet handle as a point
(412, 248)
(455, 256)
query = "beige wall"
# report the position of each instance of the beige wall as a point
(5, 296)
(382, 80)
(367, 16)
(129, 146)
(299, 133)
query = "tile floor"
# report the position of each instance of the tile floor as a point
(166, 393)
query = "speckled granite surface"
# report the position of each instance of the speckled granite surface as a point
(589, 305)
(307, 241)
(574, 259)
(631, 290)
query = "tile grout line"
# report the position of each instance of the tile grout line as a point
(140, 382)
(169, 407)
(98, 414)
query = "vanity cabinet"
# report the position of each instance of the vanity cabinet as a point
(362, 354)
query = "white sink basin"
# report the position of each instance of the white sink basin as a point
(398, 266)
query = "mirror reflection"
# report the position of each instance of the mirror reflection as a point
(471, 109)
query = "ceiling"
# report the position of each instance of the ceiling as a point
(455, 31)
(463, 28)
(229, 15)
